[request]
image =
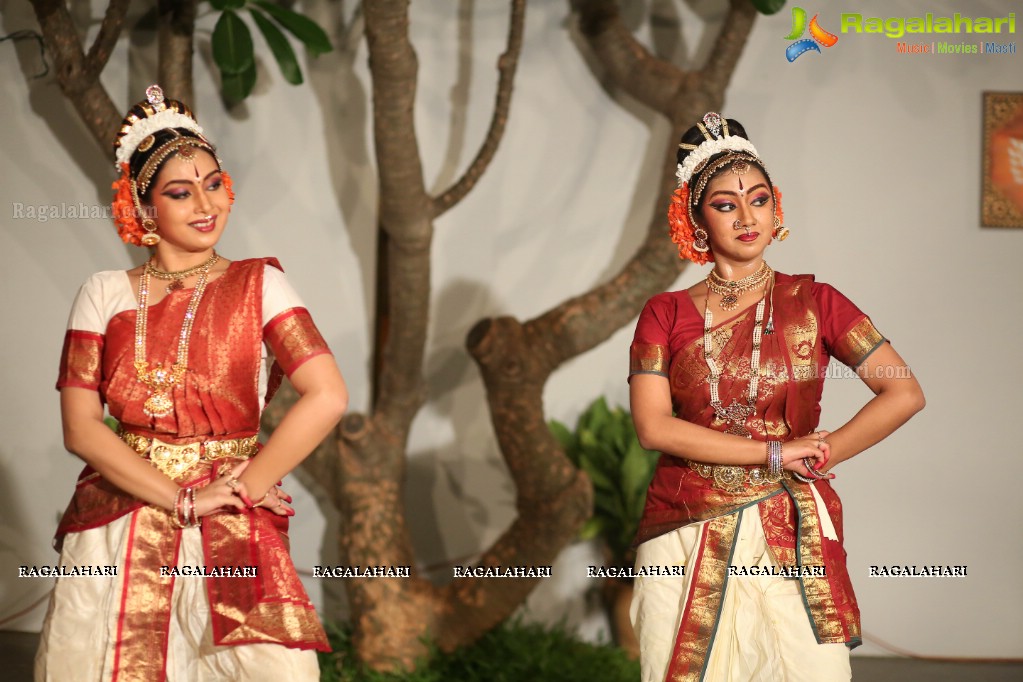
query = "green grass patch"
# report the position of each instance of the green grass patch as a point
(512, 652)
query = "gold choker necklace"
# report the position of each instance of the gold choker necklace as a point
(731, 290)
(161, 380)
(177, 278)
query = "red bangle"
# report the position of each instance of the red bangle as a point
(194, 519)
(178, 516)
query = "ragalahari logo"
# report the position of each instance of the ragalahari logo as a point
(818, 36)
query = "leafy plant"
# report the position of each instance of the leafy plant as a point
(768, 6)
(606, 447)
(234, 52)
(511, 652)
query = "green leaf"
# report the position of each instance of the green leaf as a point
(591, 529)
(565, 439)
(599, 478)
(237, 86)
(221, 5)
(607, 507)
(768, 6)
(597, 415)
(279, 45)
(302, 27)
(635, 468)
(232, 45)
(620, 437)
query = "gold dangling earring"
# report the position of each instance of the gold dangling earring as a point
(781, 232)
(150, 238)
(700, 243)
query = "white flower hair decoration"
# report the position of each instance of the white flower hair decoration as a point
(144, 127)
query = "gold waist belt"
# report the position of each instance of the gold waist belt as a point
(174, 460)
(734, 479)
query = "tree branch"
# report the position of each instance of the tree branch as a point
(730, 42)
(582, 322)
(82, 88)
(553, 498)
(106, 39)
(404, 213)
(506, 66)
(632, 67)
(176, 38)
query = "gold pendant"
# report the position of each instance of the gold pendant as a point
(159, 404)
(729, 302)
(739, 430)
(175, 285)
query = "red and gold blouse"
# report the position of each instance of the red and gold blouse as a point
(250, 330)
(812, 322)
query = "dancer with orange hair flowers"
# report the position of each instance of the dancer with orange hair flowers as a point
(726, 380)
(180, 507)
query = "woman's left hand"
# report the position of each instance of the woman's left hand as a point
(819, 466)
(277, 501)
(274, 500)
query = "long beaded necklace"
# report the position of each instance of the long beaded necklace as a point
(161, 380)
(736, 413)
(731, 290)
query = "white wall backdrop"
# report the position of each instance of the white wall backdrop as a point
(878, 155)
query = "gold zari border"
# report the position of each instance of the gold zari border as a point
(648, 357)
(696, 632)
(858, 343)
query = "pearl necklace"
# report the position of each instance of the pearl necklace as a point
(735, 414)
(161, 380)
(731, 290)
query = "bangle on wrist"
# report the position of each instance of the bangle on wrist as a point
(261, 500)
(184, 514)
(194, 519)
(176, 512)
(808, 463)
(774, 461)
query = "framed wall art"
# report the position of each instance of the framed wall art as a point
(1002, 184)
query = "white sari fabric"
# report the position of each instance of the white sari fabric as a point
(80, 632)
(764, 633)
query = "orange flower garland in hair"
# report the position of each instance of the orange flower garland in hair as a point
(228, 185)
(682, 231)
(777, 205)
(125, 216)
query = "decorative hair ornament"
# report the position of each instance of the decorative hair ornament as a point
(781, 233)
(185, 148)
(134, 225)
(229, 186)
(709, 148)
(135, 131)
(691, 245)
(126, 215)
(692, 240)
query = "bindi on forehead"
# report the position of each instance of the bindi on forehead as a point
(177, 168)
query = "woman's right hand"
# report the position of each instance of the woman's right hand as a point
(221, 494)
(813, 446)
